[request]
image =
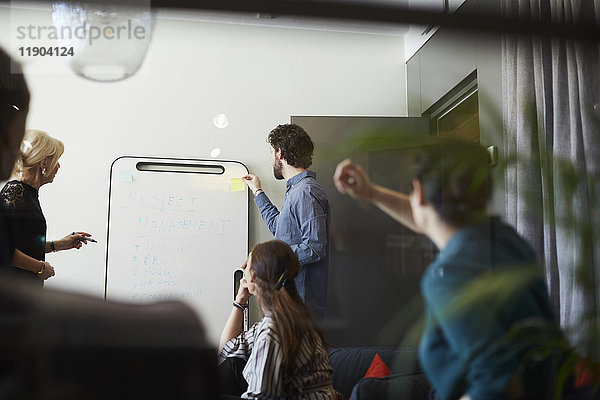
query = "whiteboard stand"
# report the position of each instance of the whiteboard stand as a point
(177, 229)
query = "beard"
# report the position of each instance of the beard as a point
(277, 170)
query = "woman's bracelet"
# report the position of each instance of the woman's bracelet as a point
(240, 306)
(43, 268)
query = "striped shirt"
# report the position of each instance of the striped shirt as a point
(260, 347)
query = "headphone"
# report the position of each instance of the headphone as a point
(281, 281)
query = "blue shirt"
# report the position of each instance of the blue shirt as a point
(465, 350)
(303, 223)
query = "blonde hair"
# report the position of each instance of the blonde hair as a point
(36, 146)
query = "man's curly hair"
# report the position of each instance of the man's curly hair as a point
(295, 144)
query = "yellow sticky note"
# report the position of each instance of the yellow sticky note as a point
(237, 185)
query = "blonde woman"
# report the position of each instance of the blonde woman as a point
(36, 165)
(284, 354)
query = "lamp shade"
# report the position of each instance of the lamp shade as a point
(109, 40)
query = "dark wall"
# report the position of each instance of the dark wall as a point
(375, 263)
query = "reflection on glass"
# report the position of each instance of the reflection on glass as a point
(109, 40)
(461, 120)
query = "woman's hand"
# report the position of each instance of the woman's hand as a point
(73, 241)
(42, 269)
(243, 294)
(233, 326)
(47, 272)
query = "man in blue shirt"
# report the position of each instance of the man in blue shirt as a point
(466, 349)
(304, 219)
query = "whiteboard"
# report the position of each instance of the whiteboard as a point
(177, 230)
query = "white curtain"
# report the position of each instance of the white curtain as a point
(552, 127)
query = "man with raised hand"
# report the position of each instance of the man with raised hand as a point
(304, 219)
(465, 348)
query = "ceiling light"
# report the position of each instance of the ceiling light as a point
(109, 40)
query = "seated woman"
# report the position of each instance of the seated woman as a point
(284, 353)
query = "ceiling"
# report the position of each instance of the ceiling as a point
(311, 22)
(388, 17)
(282, 21)
(184, 11)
